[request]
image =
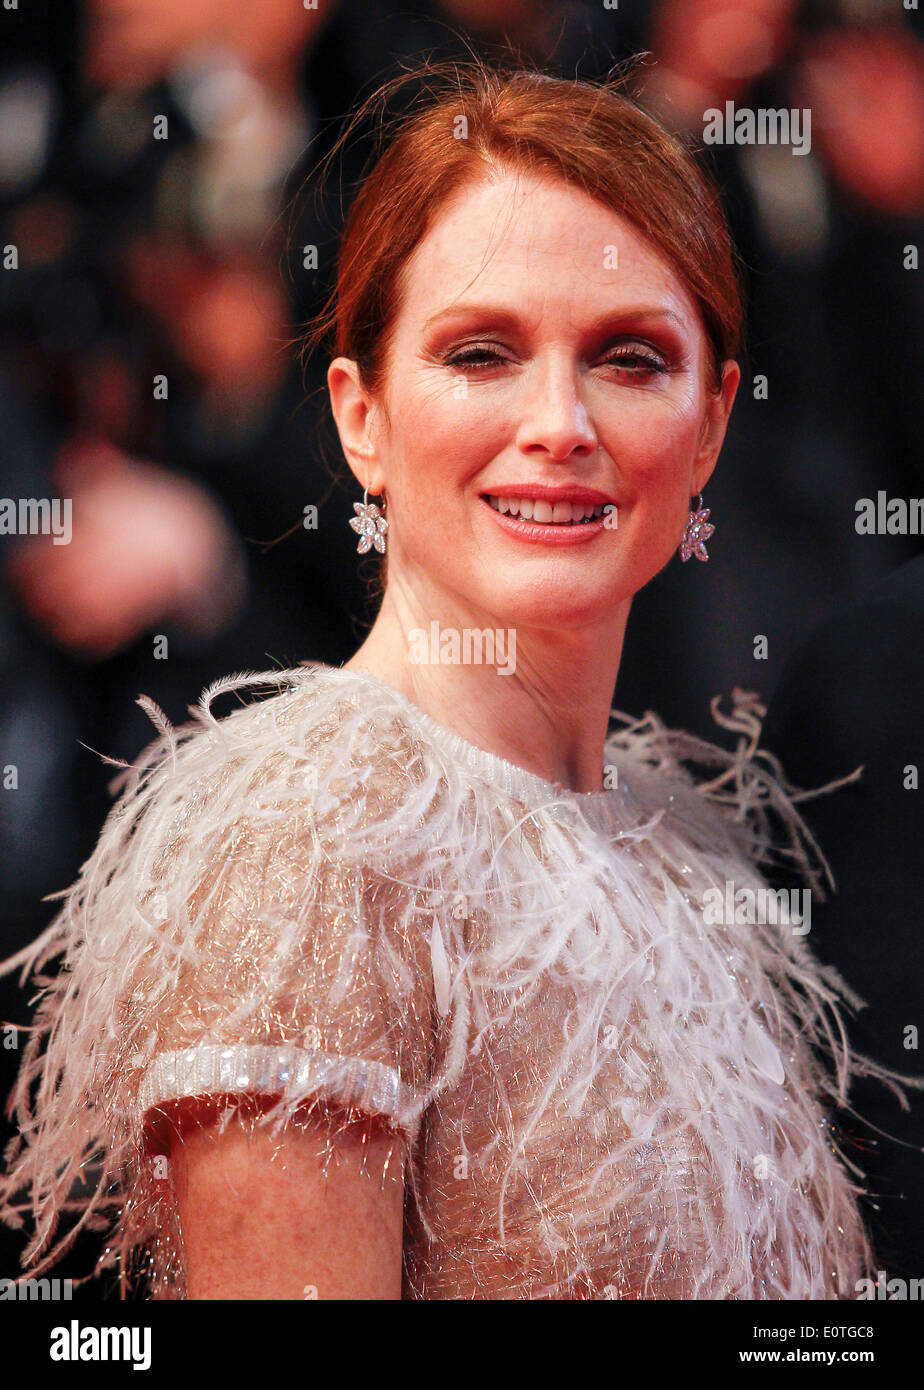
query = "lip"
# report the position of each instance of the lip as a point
(540, 532)
(548, 492)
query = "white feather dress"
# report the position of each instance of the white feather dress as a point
(327, 898)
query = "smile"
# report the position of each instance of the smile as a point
(546, 513)
(569, 523)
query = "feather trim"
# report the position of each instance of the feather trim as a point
(337, 802)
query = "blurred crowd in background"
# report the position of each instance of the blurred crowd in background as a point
(140, 258)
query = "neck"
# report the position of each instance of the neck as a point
(539, 697)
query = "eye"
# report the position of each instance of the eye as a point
(637, 359)
(475, 356)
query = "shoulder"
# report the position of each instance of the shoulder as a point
(722, 802)
(289, 729)
(305, 757)
(297, 812)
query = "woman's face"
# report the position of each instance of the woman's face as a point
(541, 346)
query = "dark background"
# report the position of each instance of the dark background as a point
(139, 256)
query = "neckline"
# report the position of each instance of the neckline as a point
(490, 767)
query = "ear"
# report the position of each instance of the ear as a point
(355, 413)
(712, 437)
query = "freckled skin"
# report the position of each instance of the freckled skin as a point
(555, 407)
(551, 413)
(317, 1213)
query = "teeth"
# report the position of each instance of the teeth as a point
(559, 514)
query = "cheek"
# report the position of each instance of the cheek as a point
(649, 426)
(453, 428)
(449, 432)
(653, 445)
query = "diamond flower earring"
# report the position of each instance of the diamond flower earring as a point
(696, 533)
(370, 524)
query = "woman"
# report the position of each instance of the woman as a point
(422, 928)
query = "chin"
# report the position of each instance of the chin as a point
(556, 605)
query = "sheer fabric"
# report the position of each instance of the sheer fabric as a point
(328, 901)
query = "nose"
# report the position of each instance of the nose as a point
(555, 422)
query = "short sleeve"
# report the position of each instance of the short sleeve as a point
(243, 928)
(287, 971)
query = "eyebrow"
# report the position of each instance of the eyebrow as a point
(508, 318)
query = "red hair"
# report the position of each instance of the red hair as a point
(471, 120)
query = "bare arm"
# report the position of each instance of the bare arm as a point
(261, 1219)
